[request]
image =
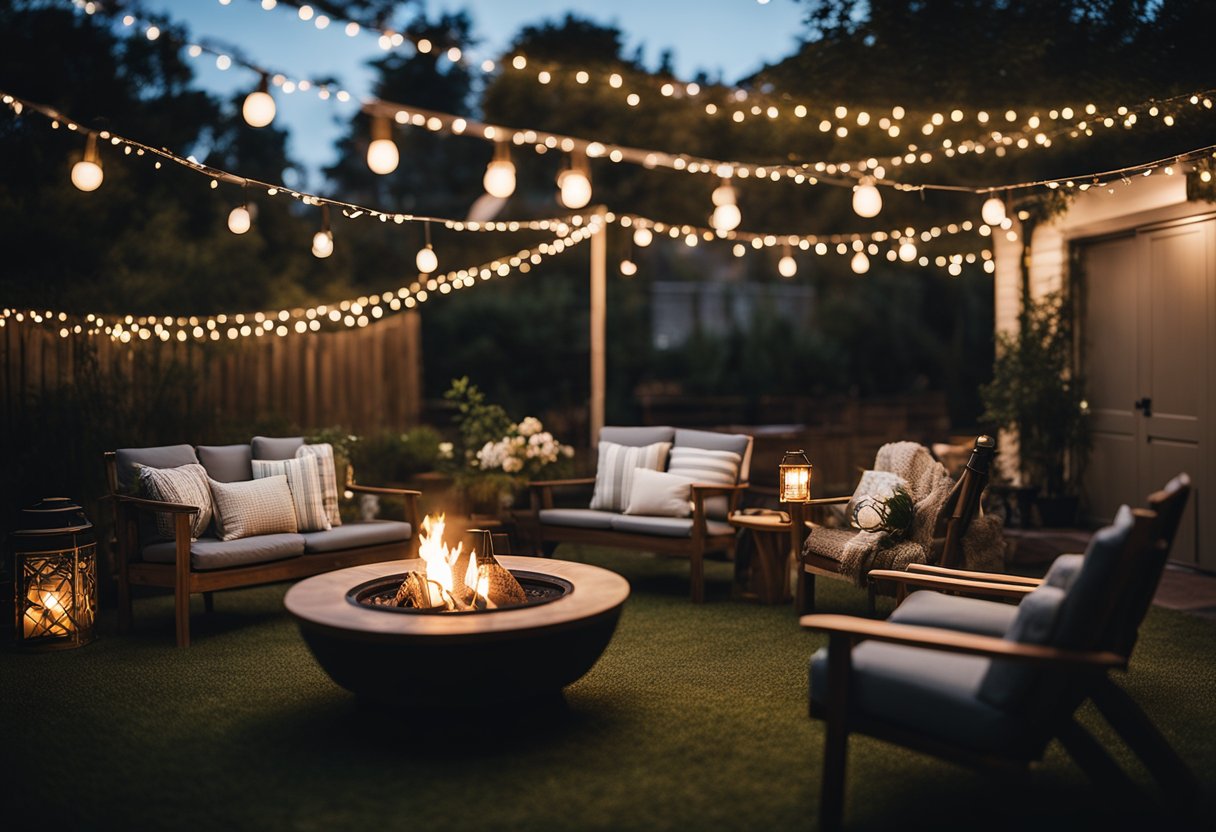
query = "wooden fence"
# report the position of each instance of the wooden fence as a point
(364, 379)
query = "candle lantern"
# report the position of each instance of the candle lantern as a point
(54, 575)
(794, 477)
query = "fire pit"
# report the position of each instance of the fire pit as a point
(486, 652)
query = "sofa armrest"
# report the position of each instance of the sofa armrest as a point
(145, 504)
(409, 497)
(703, 490)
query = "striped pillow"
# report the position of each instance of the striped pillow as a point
(305, 485)
(703, 466)
(186, 484)
(324, 452)
(246, 509)
(614, 473)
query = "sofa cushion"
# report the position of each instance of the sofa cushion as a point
(739, 443)
(582, 518)
(614, 471)
(659, 494)
(208, 553)
(635, 436)
(1008, 684)
(257, 507)
(928, 608)
(165, 456)
(665, 526)
(305, 486)
(226, 463)
(354, 535)
(328, 472)
(1063, 570)
(187, 485)
(926, 691)
(707, 466)
(1081, 615)
(271, 447)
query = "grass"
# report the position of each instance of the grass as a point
(695, 718)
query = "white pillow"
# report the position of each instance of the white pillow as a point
(614, 473)
(659, 494)
(305, 485)
(874, 486)
(707, 467)
(246, 509)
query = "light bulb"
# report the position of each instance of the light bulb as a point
(258, 108)
(382, 156)
(322, 244)
(575, 188)
(239, 220)
(642, 236)
(426, 260)
(724, 194)
(87, 175)
(907, 251)
(629, 268)
(867, 201)
(993, 211)
(726, 217)
(499, 180)
(787, 267)
(860, 263)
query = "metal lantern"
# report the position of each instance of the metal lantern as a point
(794, 477)
(55, 575)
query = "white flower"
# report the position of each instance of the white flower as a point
(530, 426)
(445, 450)
(511, 465)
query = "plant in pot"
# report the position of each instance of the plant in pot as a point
(1036, 394)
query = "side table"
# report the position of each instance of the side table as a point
(768, 574)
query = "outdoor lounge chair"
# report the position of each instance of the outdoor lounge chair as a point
(945, 513)
(988, 684)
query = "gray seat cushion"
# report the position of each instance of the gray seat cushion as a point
(270, 447)
(582, 518)
(636, 437)
(354, 535)
(929, 692)
(227, 463)
(928, 608)
(739, 443)
(665, 526)
(207, 553)
(165, 456)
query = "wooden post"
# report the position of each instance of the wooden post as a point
(599, 315)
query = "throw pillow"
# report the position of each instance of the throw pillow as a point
(305, 485)
(245, 509)
(186, 484)
(659, 494)
(869, 498)
(324, 452)
(710, 467)
(615, 470)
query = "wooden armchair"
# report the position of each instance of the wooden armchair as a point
(936, 539)
(990, 688)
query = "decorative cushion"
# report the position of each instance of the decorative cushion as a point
(305, 485)
(226, 463)
(324, 452)
(740, 443)
(245, 509)
(1080, 620)
(1063, 570)
(660, 494)
(873, 484)
(614, 473)
(1006, 684)
(164, 456)
(707, 466)
(275, 447)
(186, 484)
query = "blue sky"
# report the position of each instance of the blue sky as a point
(730, 38)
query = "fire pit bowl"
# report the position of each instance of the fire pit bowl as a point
(393, 655)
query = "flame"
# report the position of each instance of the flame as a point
(441, 563)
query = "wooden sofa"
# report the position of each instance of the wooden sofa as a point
(206, 564)
(692, 537)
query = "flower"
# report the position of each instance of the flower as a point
(526, 449)
(446, 450)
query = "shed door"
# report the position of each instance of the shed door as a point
(1150, 357)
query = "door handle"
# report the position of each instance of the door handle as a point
(1144, 405)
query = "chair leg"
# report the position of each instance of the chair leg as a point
(805, 594)
(181, 608)
(1094, 761)
(835, 744)
(209, 602)
(697, 568)
(1143, 737)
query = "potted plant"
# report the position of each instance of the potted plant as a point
(1036, 393)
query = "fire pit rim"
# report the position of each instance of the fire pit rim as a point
(321, 601)
(353, 595)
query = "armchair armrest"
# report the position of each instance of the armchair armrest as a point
(378, 489)
(702, 490)
(854, 630)
(146, 504)
(991, 577)
(557, 483)
(945, 583)
(410, 498)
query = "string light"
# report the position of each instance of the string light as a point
(574, 182)
(323, 240)
(642, 236)
(425, 260)
(860, 264)
(258, 108)
(786, 266)
(239, 220)
(382, 155)
(87, 174)
(993, 210)
(726, 216)
(499, 179)
(867, 201)
(628, 268)
(907, 250)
